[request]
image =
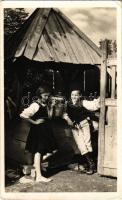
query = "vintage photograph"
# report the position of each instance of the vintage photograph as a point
(60, 99)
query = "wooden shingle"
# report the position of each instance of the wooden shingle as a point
(48, 35)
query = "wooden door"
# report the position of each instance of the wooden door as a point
(107, 144)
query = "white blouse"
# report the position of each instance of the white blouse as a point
(92, 105)
(30, 111)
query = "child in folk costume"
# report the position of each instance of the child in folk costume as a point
(77, 117)
(40, 138)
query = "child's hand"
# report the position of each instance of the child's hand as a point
(39, 121)
(70, 124)
(77, 126)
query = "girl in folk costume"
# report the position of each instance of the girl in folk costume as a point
(77, 117)
(40, 138)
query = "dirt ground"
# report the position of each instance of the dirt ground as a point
(63, 181)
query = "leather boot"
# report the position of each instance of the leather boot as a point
(91, 169)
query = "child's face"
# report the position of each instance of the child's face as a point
(75, 96)
(45, 97)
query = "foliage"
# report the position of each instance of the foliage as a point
(13, 20)
(111, 46)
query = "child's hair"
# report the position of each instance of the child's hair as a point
(76, 90)
(43, 89)
(75, 87)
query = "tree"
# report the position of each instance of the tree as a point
(13, 20)
(111, 46)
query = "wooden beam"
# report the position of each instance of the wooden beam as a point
(111, 102)
(101, 142)
(113, 82)
(33, 20)
(65, 41)
(55, 37)
(112, 61)
(33, 41)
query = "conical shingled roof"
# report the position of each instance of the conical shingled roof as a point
(48, 35)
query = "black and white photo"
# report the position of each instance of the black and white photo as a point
(61, 99)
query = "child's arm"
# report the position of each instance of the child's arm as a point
(92, 105)
(67, 118)
(36, 122)
(29, 112)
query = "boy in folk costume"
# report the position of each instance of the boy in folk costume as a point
(77, 117)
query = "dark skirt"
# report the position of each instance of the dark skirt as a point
(40, 139)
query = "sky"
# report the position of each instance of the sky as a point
(96, 22)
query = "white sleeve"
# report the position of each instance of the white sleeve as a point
(92, 105)
(30, 111)
(65, 116)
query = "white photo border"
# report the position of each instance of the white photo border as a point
(63, 195)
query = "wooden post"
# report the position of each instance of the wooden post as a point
(84, 79)
(103, 74)
(113, 82)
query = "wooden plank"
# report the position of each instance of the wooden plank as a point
(110, 157)
(112, 72)
(89, 58)
(111, 102)
(61, 44)
(29, 32)
(112, 117)
(83, 57)
(78, 31)
(37, 33)
(69, 39)
(113, 82)
(43, 52)
(65, 41)
(75, 43)
(109, 172)
(50, 45)
(101, 140)
(13, 43)
(92, 54)
(57, 43)
(52, 36)
(111, 62)
(80, 47)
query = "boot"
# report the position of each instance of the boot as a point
(91, 169)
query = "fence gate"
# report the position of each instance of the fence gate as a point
(107, 144)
